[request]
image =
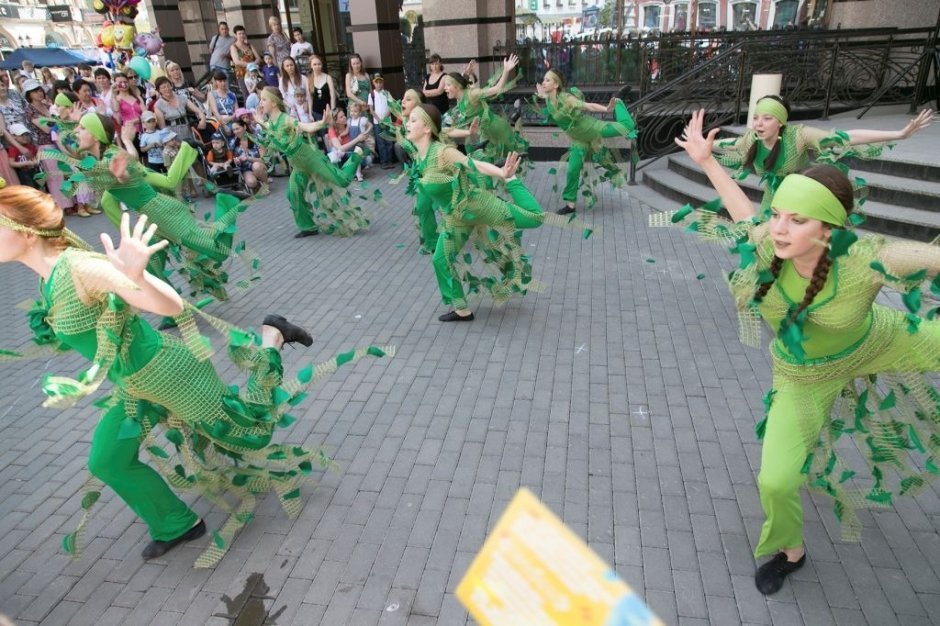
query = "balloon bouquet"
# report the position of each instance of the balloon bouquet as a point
(119, 37)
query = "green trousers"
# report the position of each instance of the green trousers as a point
(427, 223)
(798, 412)
(115, 462)
(307, 163)
(576, 160)
(523, 212)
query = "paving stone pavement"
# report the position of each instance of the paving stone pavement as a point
(619, 394)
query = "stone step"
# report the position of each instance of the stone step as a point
(675, 189)
(886, 188)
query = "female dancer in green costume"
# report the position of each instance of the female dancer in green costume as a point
(110, 171)
(425, 221)
(166, 390)
(831, 343)
(568, 111)
(499, 137)
(772, 148)
(468, 211)
(311, 173)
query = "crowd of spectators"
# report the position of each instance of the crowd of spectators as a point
(219, 117)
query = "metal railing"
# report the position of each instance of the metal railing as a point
(823, 72)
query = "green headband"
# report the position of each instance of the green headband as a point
(62, 100)
(412, 94)
(92, 123)
(428, 121)
(69, 236)
(807, 197)
(272, 96)
(558, 77)
(773, 108)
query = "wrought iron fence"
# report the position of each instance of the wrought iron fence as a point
(673, 75)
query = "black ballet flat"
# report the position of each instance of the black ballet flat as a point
(159, 548)
(566, 210)
(453, 316)
(291, 332)
(306, 233)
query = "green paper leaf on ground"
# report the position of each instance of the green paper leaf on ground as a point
(700, 277)
(650, 260)
(399, 245)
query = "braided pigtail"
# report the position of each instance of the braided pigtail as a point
(775, 266)
(820, 274)
(771, 160)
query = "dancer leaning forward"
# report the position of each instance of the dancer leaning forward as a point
(842, 365)
(202, 435)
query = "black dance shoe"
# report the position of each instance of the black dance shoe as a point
(566, 210)
(159, 548)
(291, 332)
(306, 233)
(770, 576)
(453, 316)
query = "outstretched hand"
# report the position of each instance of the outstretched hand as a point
(697, 145)
(118, 165)
(919, 123)
(611, 105)
(539, 90)
(511, 165)
(510, 62)
(135, 250)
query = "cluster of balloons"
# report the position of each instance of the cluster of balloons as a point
(118, 35)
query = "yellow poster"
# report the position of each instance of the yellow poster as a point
(533, 571)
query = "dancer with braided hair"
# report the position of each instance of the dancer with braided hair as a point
(117, 175)
(569, 110)
(842, 365)
(312, 173)
(165, 389)
(772, 148)
(470, 212)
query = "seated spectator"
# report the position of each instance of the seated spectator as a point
(222, 102)
(359, 125)
(253, 77)
(300, 110)
(339, 143)
(248, 161)
(220, 158)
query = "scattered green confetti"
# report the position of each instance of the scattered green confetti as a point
(650, 260)
(399, 245)
(700, 277)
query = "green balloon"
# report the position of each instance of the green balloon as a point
(141, 67)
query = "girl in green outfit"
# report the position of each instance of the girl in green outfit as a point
(450, 180)
(569, 111)
(120, 179)
(772, 148)
(312, 174)
(202, 435)
(472, 109)
(842, 365)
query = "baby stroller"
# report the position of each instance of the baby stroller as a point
(227, 180)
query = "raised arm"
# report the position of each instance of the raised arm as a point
(699, 148)
(903, 258)
(922, 121)
(509, 63)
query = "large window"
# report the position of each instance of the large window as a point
(680, 18)
(651, 16)
(785, 13)
(707, 15)
(744, 16)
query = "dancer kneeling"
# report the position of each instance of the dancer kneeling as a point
(842, 365)
(166, 390)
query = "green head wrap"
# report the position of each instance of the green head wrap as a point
(412, 94)
(92, 123)
(62, 100)
(435, 131)
(558, 78)
(807, 197)
(271, 95)
(773, 108)
(73, 239)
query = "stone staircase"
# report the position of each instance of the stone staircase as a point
(903, 196)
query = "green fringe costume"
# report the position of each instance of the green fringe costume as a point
(587, 134)
(202, 252)
(202, 435)
(312, 175)
(845, 366)
(498, 136)
(796, 143)
(470, 212)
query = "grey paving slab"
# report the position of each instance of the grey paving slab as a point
(618, 393)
